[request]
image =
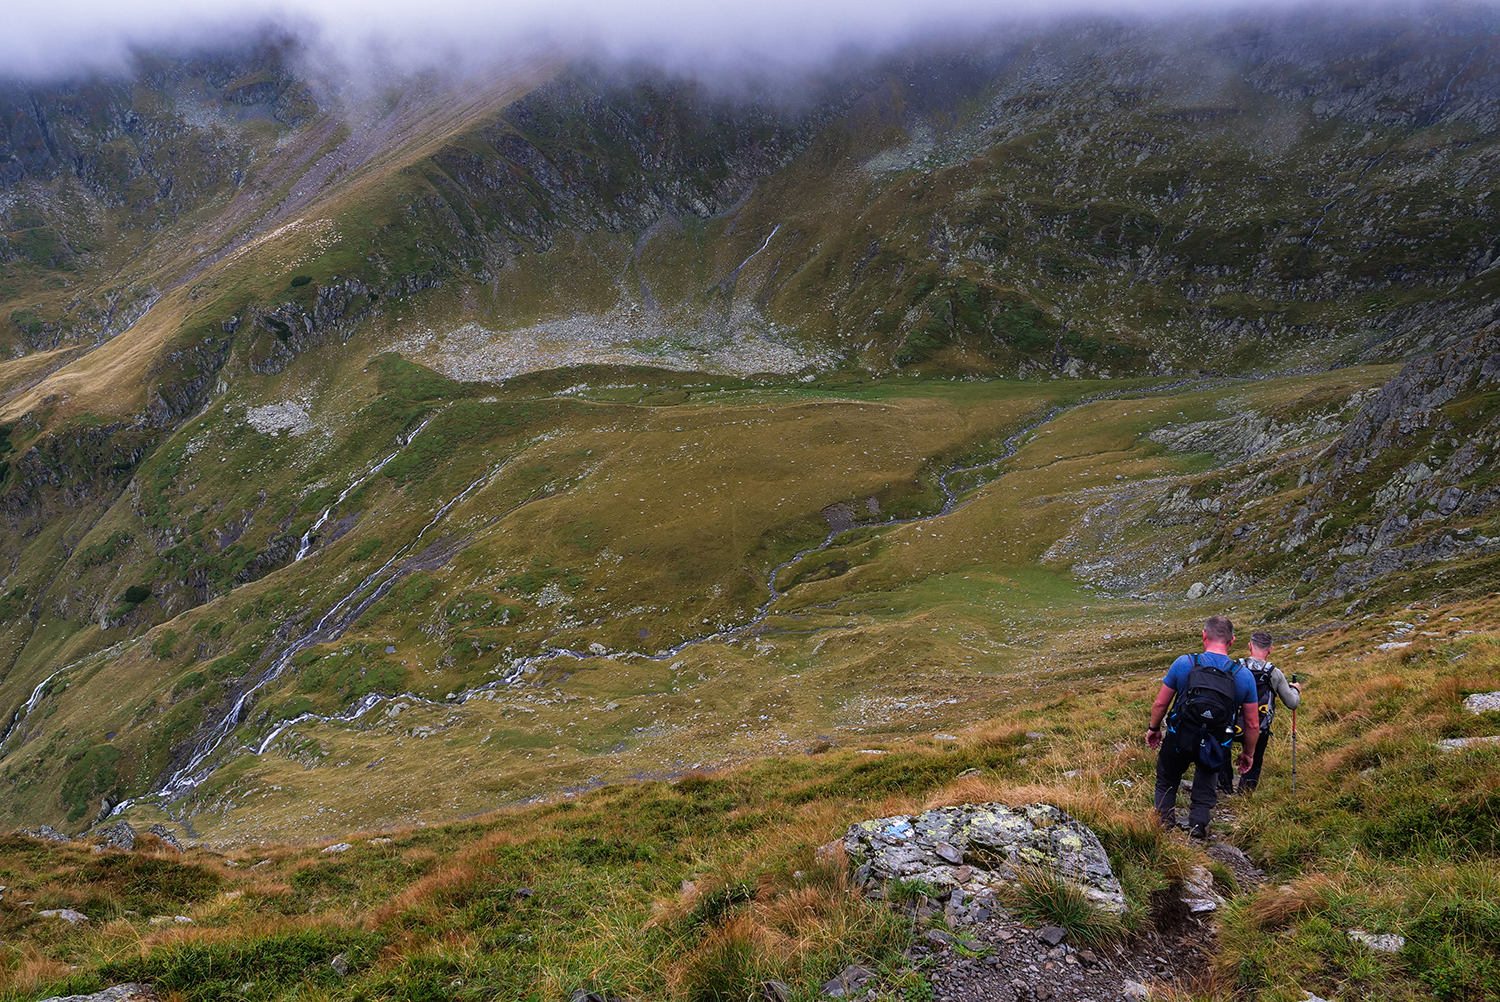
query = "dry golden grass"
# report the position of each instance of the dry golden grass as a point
(34, 968)
(436, 889)
(780, 929)
(1272, 908)
(1211, 987)
(111, 380)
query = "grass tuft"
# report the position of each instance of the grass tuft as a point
(1041, 897)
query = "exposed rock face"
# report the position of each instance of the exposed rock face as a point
(164, 833)
(119, 993)
(1403, 486)
(978, 847)
(118, 836)
(1411, 418)
(46, 833)
(1410, 402)
(1246, 436)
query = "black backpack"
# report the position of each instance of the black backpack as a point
(1201, 721)
(1261, 672)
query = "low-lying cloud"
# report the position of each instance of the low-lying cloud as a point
(48, 38)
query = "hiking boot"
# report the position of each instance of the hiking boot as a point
(1199, 832)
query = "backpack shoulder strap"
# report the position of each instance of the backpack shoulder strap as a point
(1200, 665)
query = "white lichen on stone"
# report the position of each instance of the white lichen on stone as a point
(991, 841)
(1483, 702)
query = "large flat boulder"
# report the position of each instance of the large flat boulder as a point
(981, 847)
(119, 993)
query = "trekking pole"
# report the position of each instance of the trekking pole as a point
(1294, 751)
(1294, 742)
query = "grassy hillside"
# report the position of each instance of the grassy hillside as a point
(579, 431)
(551, 588)
(1385, 833)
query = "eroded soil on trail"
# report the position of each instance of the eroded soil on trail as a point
(1000, 959)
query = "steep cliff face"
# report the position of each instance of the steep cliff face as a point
(1390, 490)
(1412, 481)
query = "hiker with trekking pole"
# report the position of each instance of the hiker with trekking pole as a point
(1270, 685)
(1193, 720)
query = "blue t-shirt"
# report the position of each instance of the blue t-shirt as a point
(1244, 682)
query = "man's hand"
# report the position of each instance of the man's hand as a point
(1245, 762)
(1153, 738)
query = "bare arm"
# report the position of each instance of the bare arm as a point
(1158, 713)
(1250, 714)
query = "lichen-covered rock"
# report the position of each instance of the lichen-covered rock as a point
(46, 833)
(116, 836)
(68, 915)
(119, 993)
(1482, 702)
(980, 846)
(164, 833)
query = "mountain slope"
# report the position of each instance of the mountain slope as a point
(584, 424)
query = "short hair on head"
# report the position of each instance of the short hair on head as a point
(1218, 628)
(1261, 639)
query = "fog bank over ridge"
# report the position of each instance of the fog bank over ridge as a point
(72, 37)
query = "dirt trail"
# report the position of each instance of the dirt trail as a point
(1017, 963)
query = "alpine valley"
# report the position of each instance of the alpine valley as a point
(578, 477)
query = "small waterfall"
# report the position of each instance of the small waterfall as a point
(36, 697)
(736, 273)
(330, 626)
(195, 771)
(307, 537)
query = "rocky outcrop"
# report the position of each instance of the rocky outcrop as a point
(981, 848)
(164, 833)
(1410, 463)
(283, 332)
(1248, 435)
(1404, 486)
(77, 465)
(181, 380)
(1411, 402)
(119, 993)
(116, 836)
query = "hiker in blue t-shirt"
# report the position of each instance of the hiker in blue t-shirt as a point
(1204, 692)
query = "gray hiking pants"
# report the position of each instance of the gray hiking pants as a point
(1171, 766)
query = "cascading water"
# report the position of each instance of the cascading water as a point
(328, 627)
(24, 711)
(307, 537)
(195, 771)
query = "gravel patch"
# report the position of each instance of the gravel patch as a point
(475, 353)
(287, 416)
